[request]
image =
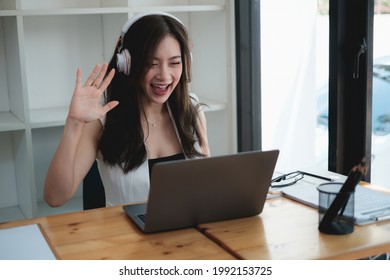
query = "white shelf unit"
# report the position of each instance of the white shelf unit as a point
(43, 42)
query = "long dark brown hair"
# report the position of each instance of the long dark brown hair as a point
(122, 140)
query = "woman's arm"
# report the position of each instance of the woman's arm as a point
(79, 142)
(73, 158)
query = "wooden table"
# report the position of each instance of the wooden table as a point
(289, 230)
(285, 230)
(107, 233)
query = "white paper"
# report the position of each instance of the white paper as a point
(24, 243)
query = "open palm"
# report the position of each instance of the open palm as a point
(85, 105)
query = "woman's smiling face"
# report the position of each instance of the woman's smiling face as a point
(165, 71)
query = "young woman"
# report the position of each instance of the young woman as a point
(131, 113)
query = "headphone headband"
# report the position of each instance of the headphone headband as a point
(123, 57)
(138, 16)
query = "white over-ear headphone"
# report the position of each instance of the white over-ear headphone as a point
(123, 57)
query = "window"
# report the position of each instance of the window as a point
(317, 119)
(381, 95)
(293, 65)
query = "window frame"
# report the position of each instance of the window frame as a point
(247, 21)
(350, 98)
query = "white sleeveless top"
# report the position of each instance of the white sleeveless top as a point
(121, 188)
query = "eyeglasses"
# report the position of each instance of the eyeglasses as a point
(291, 178)
(286, 179)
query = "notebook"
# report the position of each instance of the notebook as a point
(185, 193)
(369, 205)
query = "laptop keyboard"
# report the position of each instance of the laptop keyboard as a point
(142, 217)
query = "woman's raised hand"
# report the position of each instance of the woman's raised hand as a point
(85, 105)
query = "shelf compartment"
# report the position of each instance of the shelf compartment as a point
(8, 194)
(11, 82)
(9, 122)
(48, 117)
(92, 45)
(7, 6)
(15, 188)
(42, 8)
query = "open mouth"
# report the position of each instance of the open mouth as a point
(163, 87)
(160, 89)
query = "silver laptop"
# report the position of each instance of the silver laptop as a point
(185, 193)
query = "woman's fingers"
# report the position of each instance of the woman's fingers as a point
(99, 78)
(96, 77)
(107, 80)
(91, 78)
(78, 78)
(109, 106)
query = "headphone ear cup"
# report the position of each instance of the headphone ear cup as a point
(123, 62)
